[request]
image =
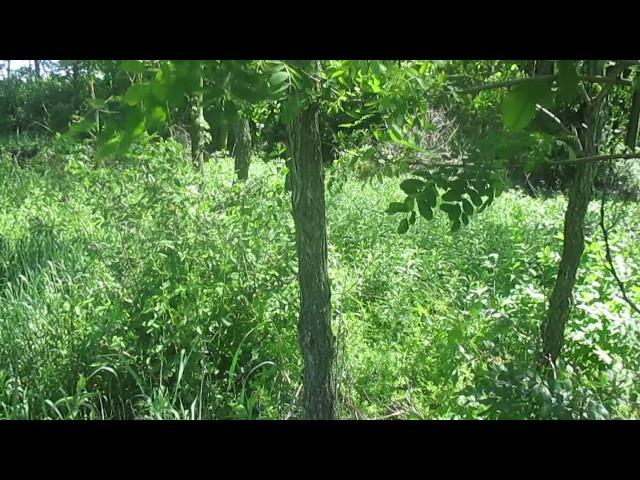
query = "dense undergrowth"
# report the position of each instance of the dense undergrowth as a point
(138, 288)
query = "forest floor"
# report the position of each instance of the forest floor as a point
(144, 290)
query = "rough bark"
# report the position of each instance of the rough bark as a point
(242, 149)
(220, 137)
(314, 326)
(573, 243)
(573, 246)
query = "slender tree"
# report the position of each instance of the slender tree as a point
(308, 206)
(198, 126)
(242, 148)
(580, 194)
(528, 96)
(634, 118)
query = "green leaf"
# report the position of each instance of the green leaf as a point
(278, 78)
(397, 207)
(452, 209)
(412, 186)
(134, 122)
(452, 195)
(540, 92)
(157, 116)
(412, 218)
(518, 109)
(409, 203)
(431, 196)
(83, 126)
(134, 95)
(159, 90)
(404, 226)
(568, 83)
(108, 146)
(455, 226)
(133, 66)
(519, 106)
(395, 133)
(425, 209)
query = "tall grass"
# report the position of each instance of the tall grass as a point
(138, 288)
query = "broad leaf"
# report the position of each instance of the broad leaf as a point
(568, 83)
(133, 66)
(412, 186)
(397, 207)
(404, 226)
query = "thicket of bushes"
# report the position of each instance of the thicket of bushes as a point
(137, 288)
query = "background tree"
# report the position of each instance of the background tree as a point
(528, 96)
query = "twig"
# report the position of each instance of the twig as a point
(564, 128)
(506, 83)
(605, 234)
(394, 414)
(613, 74)
(295, 398)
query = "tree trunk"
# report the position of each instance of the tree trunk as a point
(93, 97)
(559, 303)
(36, 65)
(573, 242)
(220, 137)
(314, 326)
(634, 117)
(198, 127)
(242, 149)
(544, 67)
(8, 68)
(75, 72)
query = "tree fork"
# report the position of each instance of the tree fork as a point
(573, 242)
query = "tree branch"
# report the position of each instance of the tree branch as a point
(506, 83)
(540, 78)
(605, 234)
(613, 75)
(599, 158)
(573, 134)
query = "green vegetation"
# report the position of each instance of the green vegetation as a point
(145, 290)
(335, 239)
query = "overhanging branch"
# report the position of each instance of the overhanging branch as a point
(599, 158)
(541, 78)
(565, 129)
